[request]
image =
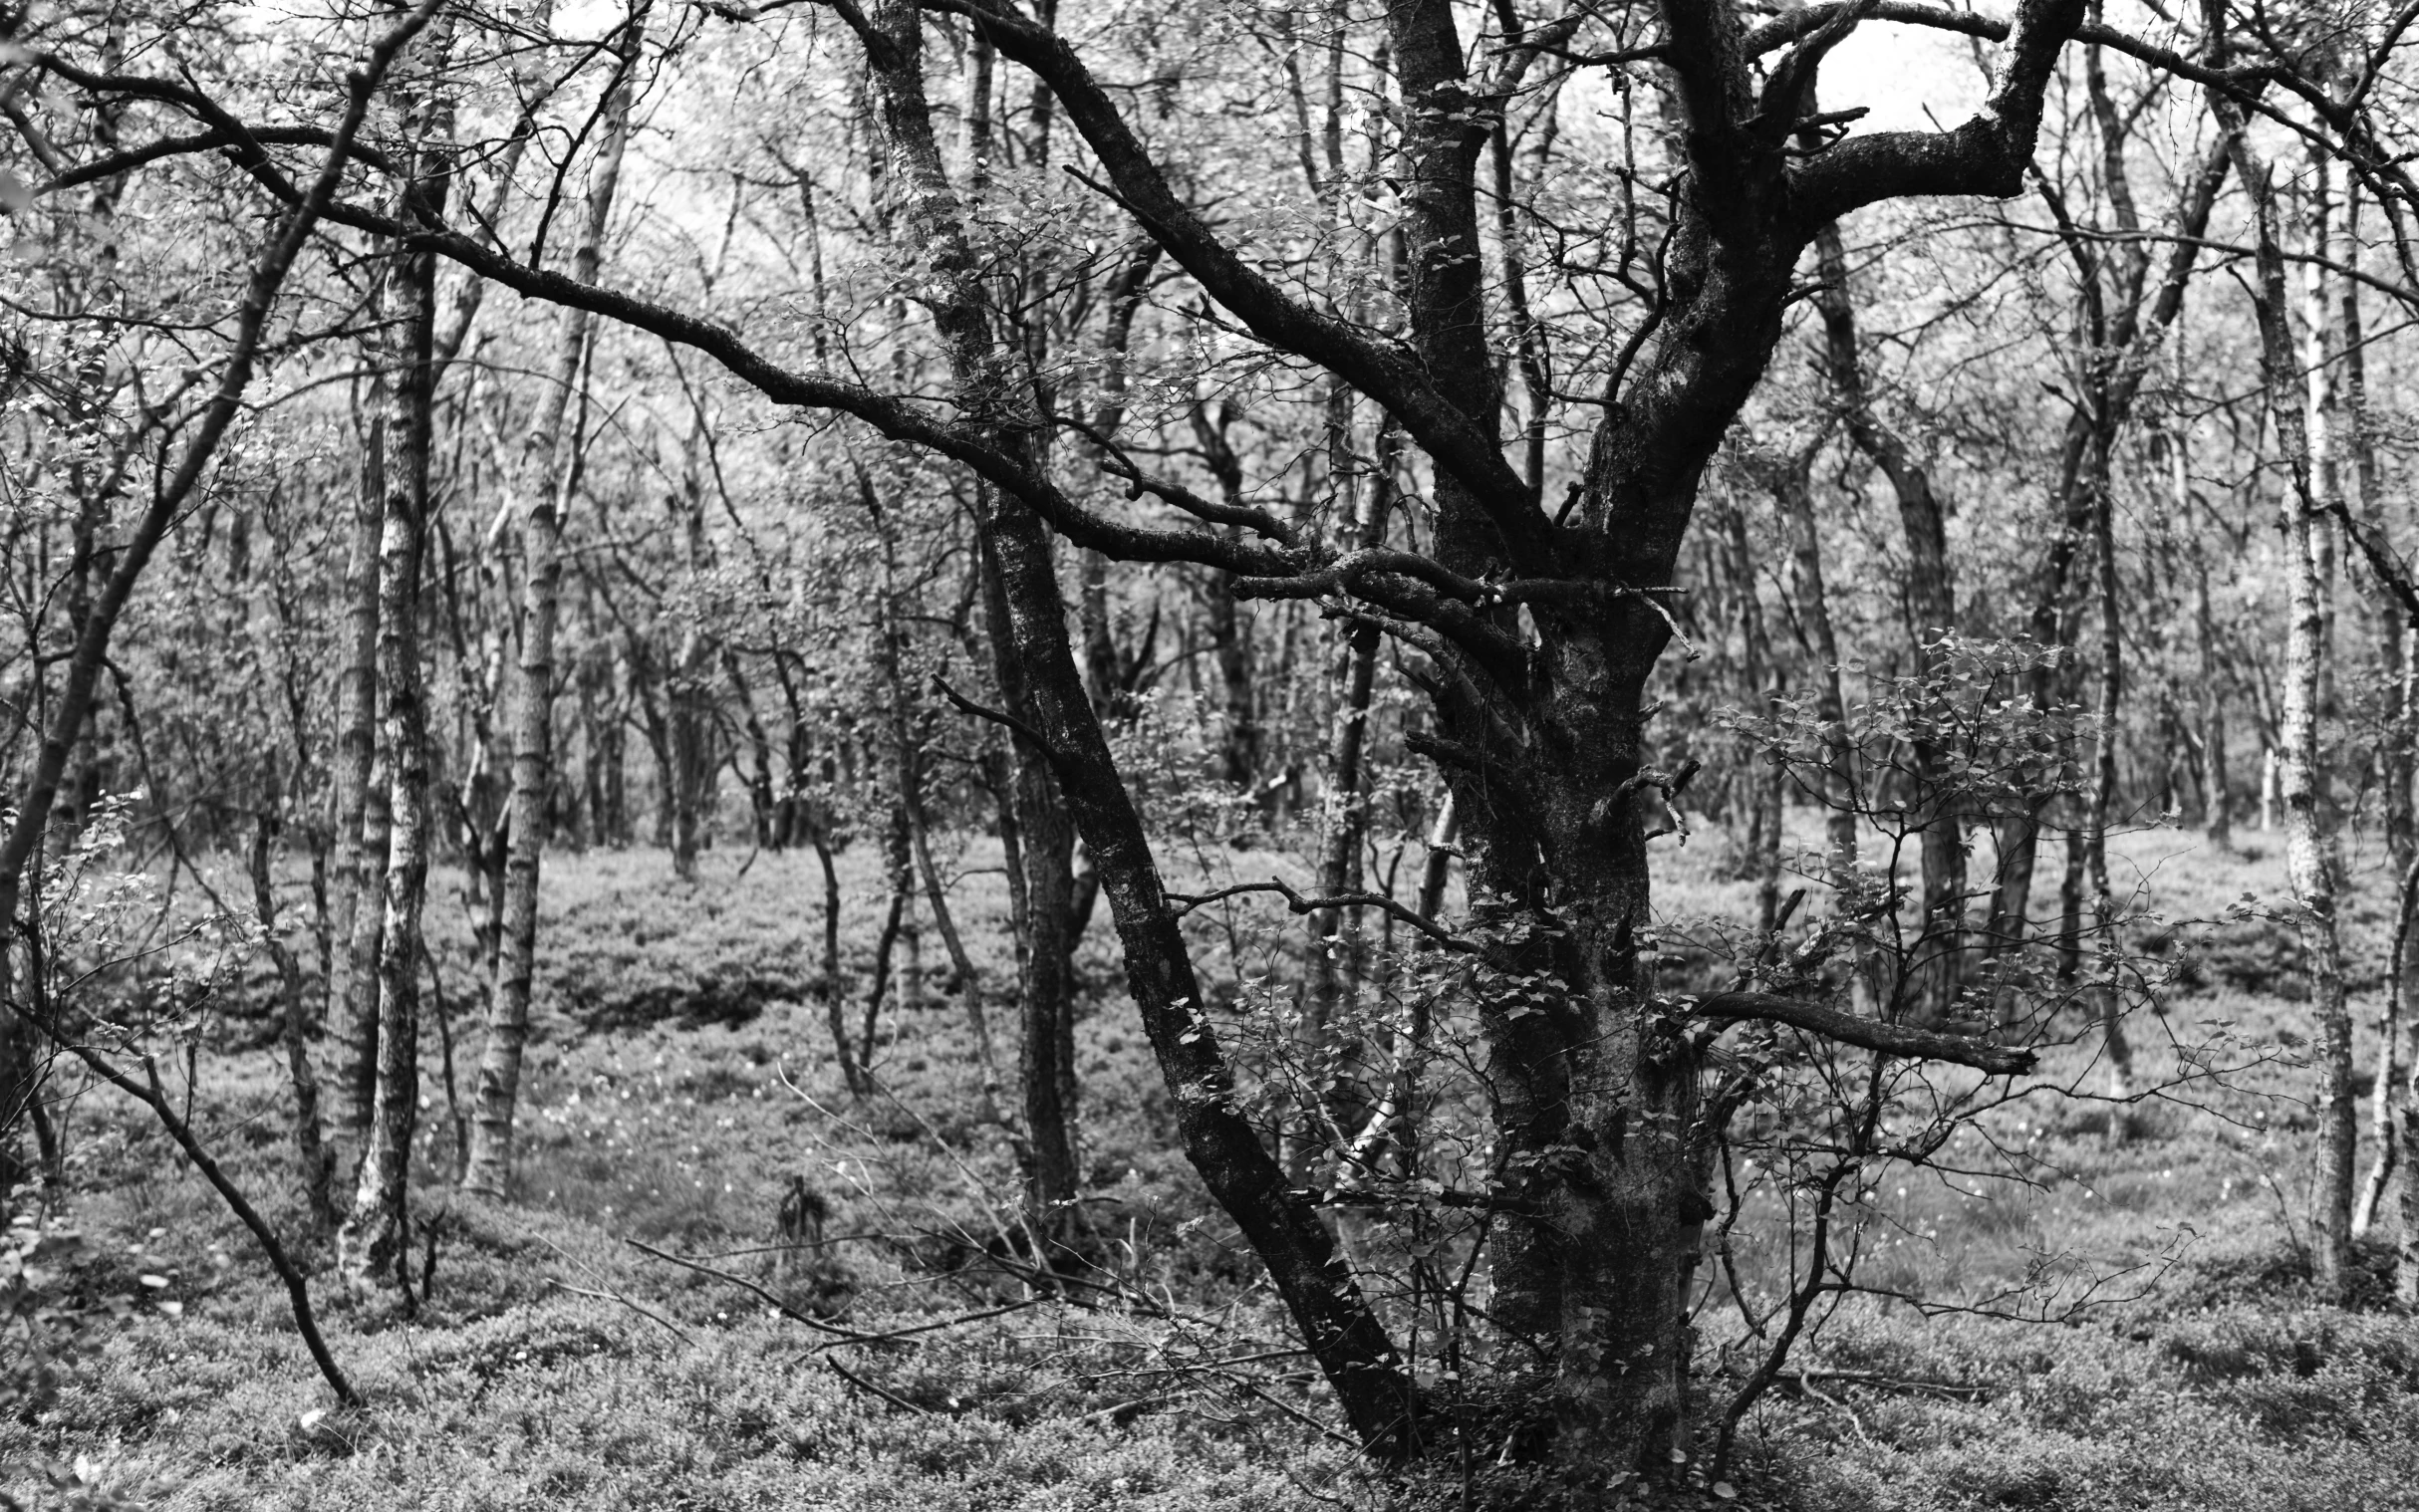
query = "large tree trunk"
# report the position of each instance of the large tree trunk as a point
(370, 1245)
(1538, 679)
(544, 468)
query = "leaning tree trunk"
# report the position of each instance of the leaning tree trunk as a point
(370, 1245)
(546, 467)
(2310, 843)
(1342, 1333)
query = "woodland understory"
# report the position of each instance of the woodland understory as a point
(1059, 755)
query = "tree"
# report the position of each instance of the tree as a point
(546, 471)
(1531, 618)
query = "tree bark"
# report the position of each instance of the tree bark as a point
(314, 1162)
(1045, 862)
(360, 834)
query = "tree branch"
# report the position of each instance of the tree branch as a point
(1869, 1033)
(1297, 904)
(1386, 372)
(1985, 156)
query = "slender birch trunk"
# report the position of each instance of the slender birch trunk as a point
(546, 465)
(360, 836)
(2310, 840)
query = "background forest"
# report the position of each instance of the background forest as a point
(1124, 755)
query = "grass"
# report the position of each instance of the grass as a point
(681, 1076)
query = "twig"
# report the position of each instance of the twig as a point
(1881, 1383)
(927, 1327)
(1821, 1396)
(847, 1335)
(863, 1385)
(652, 1317)
(999, 717)
(1294, 1412)
(1296, 902)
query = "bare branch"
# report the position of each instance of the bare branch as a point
(1297, 904)
(1868, 1034)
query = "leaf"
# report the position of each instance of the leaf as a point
(15, 197)
(156, 1283)
(1726, 1490)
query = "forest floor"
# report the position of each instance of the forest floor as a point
(679, 1081)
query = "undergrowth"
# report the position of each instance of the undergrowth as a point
(558, 1360)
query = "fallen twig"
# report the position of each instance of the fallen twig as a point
(677, 1332)
(863, 1385)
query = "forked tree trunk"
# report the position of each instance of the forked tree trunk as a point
(371, 1244)
(1539, 711)
(2126, 323)
(545, 470)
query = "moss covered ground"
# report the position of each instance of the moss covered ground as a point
(680, 1080)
